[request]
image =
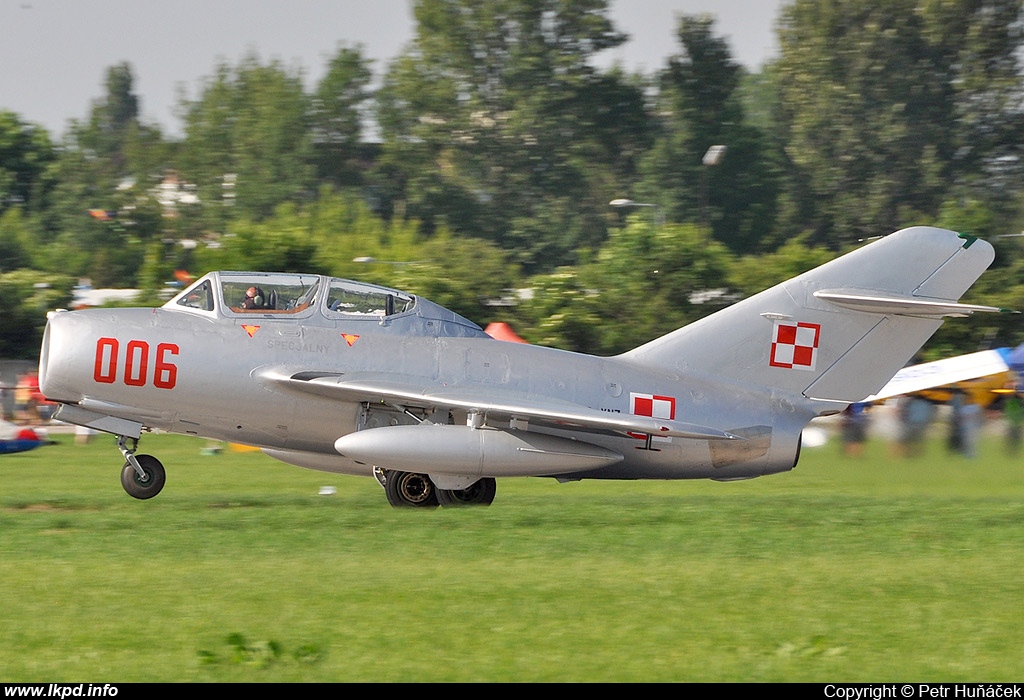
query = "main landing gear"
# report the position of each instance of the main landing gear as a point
(412, 490)
(142, 476)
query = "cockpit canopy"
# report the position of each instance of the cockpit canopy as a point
(282, 296)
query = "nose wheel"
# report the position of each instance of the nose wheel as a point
(142, 476)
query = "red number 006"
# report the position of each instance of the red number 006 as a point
(136, 363)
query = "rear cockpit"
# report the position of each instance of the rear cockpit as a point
(282, 296)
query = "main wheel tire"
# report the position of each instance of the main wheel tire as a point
(408, 489)
(140, 488)
(479, 494)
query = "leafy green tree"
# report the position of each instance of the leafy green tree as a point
(890, 106)
(471, 277)
(983, 41)
(277, 244)
(248, 141)
(121, 107)
(25, 154)
(496, 114)
(755, 273)
(101, 210)
(28, 295)
(353, 241)
(338, 111)
(337, 234)
(561, 313)
(116, 144)
(156, 269)
(734, 193)
(14, 241)
(646, 280)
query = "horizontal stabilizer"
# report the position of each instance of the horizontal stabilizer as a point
(901, 306)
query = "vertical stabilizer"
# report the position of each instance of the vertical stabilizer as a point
(840, 331)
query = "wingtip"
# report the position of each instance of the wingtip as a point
(969, 240)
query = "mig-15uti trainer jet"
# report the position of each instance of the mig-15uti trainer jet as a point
(353, 378)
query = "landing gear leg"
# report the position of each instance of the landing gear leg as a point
(142, 476)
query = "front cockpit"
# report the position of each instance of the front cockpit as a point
(316, 299)
(250, 293)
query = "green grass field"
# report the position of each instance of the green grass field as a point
(870, 569)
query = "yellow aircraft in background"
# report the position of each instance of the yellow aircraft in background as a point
(983, 376)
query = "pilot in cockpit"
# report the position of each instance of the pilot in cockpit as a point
(254, 299)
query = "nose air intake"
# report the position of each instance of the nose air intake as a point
(44, 355)
(57, 377)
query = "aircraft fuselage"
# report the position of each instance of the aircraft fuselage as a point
(355, 378)
(181, 372)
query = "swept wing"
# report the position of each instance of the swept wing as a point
(496, 403)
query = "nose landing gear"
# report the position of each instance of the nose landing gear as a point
(142, 476)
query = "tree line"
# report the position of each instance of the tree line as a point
(477, 169)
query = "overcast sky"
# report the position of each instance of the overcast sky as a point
(54, 53)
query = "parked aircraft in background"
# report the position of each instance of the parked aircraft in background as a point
(16, 438)
(354, 378)
(946, 372)
(982, 376)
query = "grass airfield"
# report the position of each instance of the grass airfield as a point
(845, 569)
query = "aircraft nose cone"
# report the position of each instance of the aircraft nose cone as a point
(44, 358)
(58, 351)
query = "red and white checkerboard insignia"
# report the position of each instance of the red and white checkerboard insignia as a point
(652, 405)
(795, 345)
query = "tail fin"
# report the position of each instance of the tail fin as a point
(840, 331)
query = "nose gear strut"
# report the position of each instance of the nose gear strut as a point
(142, 476)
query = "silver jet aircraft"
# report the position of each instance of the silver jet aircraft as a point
(354, 378)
